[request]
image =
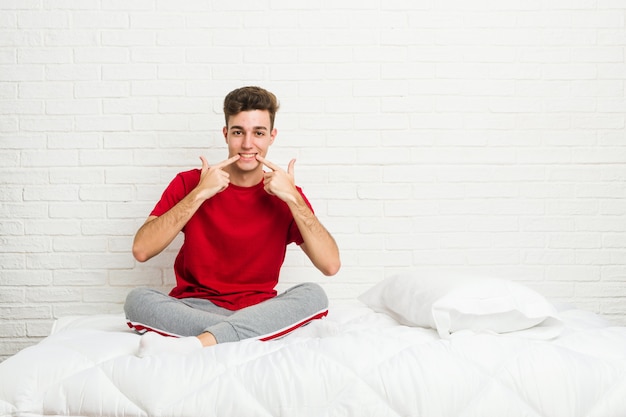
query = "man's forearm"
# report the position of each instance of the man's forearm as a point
(318, 244)
(158, 232)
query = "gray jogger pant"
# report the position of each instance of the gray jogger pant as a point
(148, 309)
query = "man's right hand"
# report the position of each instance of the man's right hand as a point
(213, 179)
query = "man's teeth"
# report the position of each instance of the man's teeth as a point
(247, 155)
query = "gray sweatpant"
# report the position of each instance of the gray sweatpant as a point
(148, 309)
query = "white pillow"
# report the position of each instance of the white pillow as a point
(454, 303)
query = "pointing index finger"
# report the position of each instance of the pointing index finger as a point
(227, 162)
(267, 163)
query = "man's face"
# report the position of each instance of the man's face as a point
(249, 134)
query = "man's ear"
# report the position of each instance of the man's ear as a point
(273, 134)
(225, 132)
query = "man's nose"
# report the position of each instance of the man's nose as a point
(247, 141)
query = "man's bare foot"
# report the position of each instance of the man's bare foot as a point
(207, 339)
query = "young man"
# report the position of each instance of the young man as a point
(237, 220)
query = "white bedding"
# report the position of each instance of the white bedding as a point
(353, 363)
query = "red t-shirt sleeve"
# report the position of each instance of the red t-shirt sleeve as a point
(175, 191)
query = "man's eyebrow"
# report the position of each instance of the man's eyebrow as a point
(254, 128)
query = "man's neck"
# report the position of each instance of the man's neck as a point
(245, 179)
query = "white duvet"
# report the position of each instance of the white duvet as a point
(353, 363)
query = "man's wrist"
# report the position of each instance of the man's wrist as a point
(198, 196)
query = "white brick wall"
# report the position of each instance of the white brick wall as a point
(486, 136)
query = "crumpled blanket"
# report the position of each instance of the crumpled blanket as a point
(353, 363)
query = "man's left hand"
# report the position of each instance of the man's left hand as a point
(279, 182)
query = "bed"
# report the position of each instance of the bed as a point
(407, 347)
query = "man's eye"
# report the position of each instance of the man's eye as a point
(260, 133)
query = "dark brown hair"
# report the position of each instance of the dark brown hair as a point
(250, 98)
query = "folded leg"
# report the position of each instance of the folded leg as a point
(275, 317)
(150, 310)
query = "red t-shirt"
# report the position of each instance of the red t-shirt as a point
(234, 244)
